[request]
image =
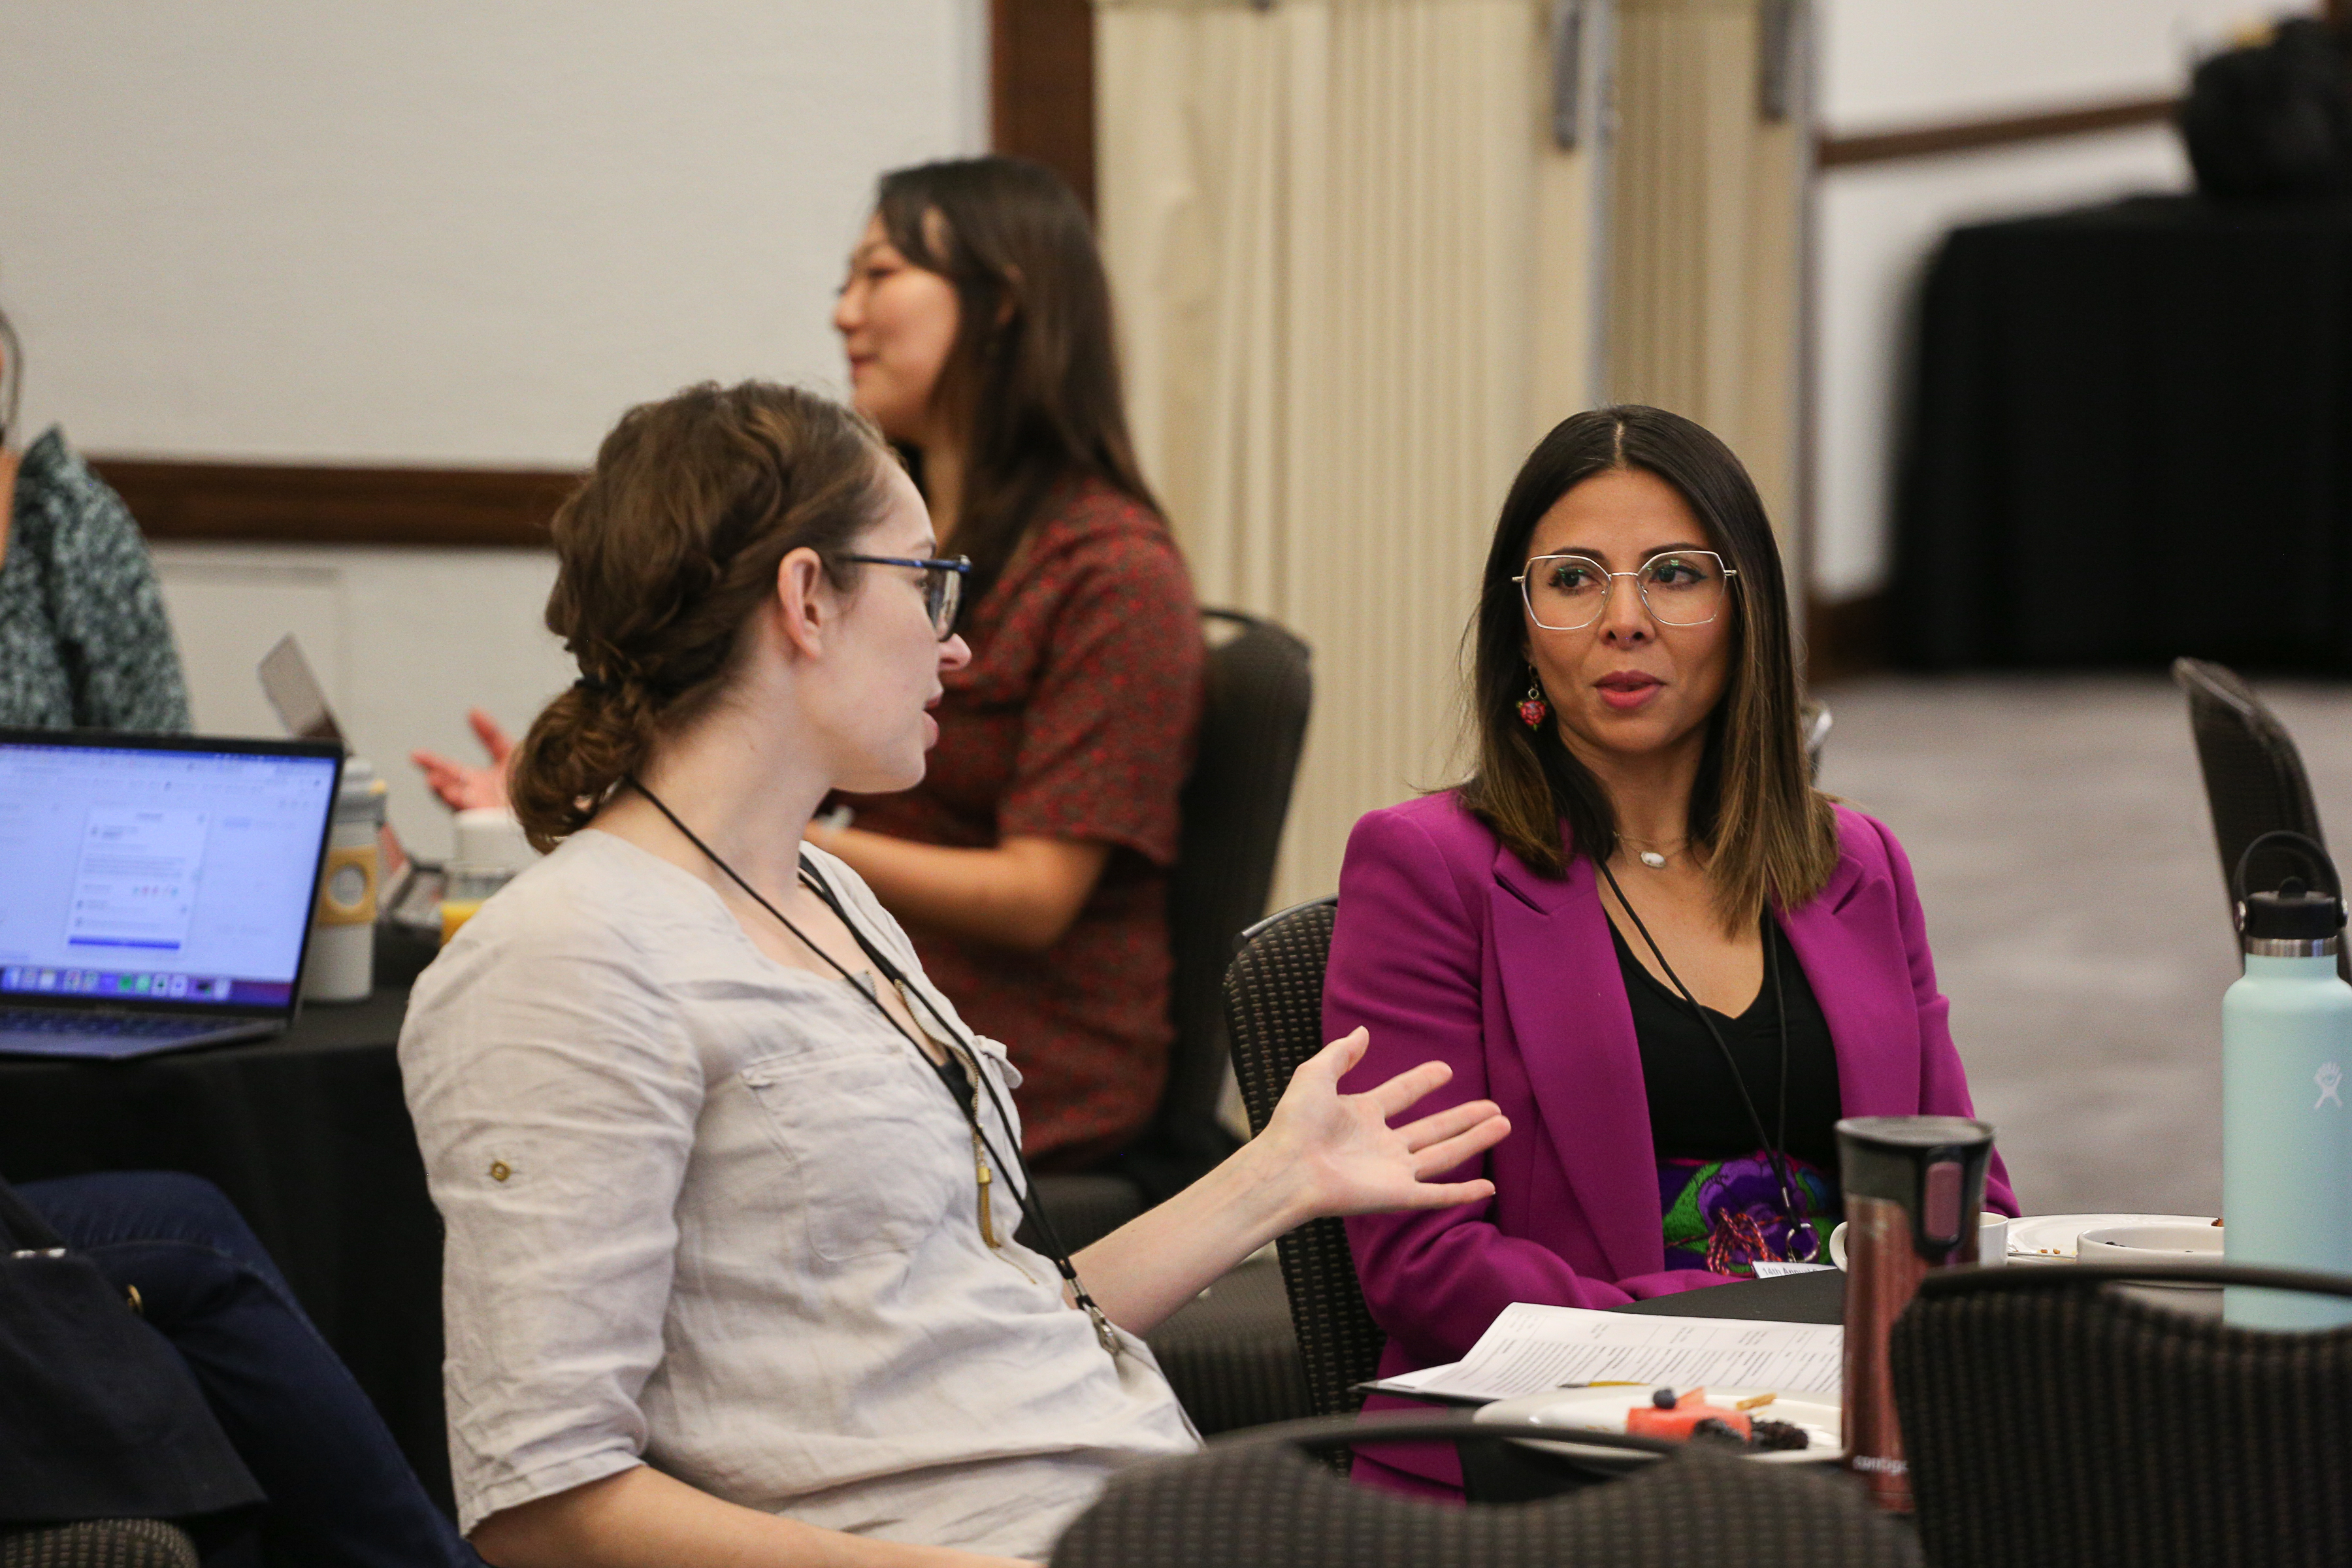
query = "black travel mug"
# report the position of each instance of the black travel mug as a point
(1914, 1187)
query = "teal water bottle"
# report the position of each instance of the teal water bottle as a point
(2286, 1132)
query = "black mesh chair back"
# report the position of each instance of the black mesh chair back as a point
(1258, 1502)
(2051, 1419)
(2254, 781)
(1252, 723)
(1273, 1007)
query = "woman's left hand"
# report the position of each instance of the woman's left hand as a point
(1322, 1153)
(1346, 1159)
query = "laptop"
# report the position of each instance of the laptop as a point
(412, 889)
(293, 689)
(155, 890)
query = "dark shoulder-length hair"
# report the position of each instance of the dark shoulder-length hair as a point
(1769, 838)
(1032, 374)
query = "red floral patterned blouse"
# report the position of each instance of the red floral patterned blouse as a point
(1075, 720)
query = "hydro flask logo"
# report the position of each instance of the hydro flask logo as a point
(2329, 1078)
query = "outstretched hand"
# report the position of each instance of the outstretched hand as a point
(1346, 1157)
(461, 786)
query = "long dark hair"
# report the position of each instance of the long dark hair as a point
(1768, 834)
(1034, 374)
(663, 555)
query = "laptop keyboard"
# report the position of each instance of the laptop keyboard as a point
(118, 1025)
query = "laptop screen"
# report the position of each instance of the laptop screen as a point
(143, 869)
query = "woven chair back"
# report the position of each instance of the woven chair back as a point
(1271, 1507)
(2059, 1423)
(1273, 1009)
(98, 1543)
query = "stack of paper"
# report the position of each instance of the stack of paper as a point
(1529, 1348)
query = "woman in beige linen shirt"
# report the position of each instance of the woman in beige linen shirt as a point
(730, 1275)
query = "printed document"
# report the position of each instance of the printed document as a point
(1529, 1348)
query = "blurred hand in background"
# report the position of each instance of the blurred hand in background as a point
(461, 786)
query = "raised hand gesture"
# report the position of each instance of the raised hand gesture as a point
(460, 785)
(1323, 1153)
(1345, 1156)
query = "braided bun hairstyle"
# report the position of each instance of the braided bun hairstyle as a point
(663, 554)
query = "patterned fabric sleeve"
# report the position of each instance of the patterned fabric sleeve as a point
(106, 607)
(1105, 744)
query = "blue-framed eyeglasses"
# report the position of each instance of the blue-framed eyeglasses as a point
(942, 585)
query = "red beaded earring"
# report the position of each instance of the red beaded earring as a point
(1533, 709)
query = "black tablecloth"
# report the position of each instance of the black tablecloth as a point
(2131, 440)
(1813, 1298)
(307, 1135)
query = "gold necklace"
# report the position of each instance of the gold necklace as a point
(984, 1178)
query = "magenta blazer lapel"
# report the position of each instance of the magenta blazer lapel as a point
(1566, 998)
(1847, 939)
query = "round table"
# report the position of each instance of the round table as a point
(310, 1137)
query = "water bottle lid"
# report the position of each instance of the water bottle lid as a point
(362, 797)
(2293, 913)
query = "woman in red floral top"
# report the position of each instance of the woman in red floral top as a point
(1030, 866)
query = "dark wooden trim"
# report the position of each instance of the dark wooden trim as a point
(1845, 636)
(286, 503)
(1967, 135)
(1041, 86)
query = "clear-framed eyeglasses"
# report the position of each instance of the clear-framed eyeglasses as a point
(1678, 587)
(942, 585)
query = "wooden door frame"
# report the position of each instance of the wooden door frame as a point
(1041, 86)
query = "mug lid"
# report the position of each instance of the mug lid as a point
(1907, 1132)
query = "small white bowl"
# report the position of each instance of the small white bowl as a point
(2149, 1243)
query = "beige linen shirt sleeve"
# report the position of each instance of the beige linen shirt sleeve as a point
(556, 1096)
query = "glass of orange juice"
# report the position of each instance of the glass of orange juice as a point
(463, 889)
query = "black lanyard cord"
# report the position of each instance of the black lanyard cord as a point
(1790, 1209)
(1031, 1209)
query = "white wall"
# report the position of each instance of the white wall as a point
(1886, 64)
(435, 232)
(446, 230)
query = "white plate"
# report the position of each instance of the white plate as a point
(2052, 1234)
(1603, 1409)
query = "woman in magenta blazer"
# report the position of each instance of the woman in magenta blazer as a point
(1637, 927)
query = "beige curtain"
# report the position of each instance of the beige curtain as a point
(1354, 278)
(1711, 161)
